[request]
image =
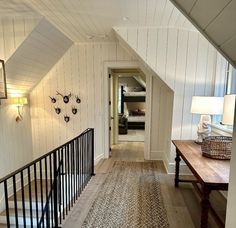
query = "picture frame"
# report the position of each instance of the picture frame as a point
(3, 84)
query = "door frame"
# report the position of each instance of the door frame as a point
(106, 70)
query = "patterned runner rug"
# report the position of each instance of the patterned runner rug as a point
(129, 197)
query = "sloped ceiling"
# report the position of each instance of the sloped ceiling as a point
(35, 57)
(216, 20)
(92, 20)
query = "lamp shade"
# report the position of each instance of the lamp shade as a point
(229, 106)
(207, 105)
(19, 101)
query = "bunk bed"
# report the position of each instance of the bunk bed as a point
(136, 118)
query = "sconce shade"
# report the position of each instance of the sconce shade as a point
(19, 101)
(229, 106)
(207, 105)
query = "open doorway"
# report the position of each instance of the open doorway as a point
(127, 112)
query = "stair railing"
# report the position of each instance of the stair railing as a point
(53, 182)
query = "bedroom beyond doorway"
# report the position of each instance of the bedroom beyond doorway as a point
(127, 106)
(131, 107)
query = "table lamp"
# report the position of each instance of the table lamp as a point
(228, 110)
(206, 106)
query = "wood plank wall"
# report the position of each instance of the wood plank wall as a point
(185, 61)
(13, 31)
(80, 71)
(15, 138)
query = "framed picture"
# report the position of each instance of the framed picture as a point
(3, 85)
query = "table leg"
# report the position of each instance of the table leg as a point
(205, 204)
(177, 161)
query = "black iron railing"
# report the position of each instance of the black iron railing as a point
(42, 193)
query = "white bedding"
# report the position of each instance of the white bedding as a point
(136, 118)
(135, 94)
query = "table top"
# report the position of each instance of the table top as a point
(209, 171)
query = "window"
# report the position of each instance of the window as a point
(230, 87)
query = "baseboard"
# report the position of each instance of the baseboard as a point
(183, 169)
(98, 158)
(156, 155)
(170, 166)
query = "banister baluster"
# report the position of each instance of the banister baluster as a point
(70, 168)
(55, 206)
(6, 203)
(15, 201)
(23, 197)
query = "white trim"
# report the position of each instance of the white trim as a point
(106, 67)
(170, 166)
(183, 169)
(147, 143)
(156, 155)
(98, 159)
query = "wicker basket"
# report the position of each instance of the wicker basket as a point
(217, 147)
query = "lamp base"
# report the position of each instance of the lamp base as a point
(203, 129)
(197, 142)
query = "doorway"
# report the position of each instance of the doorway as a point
(127, 108)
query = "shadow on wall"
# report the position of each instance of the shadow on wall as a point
(161, 98)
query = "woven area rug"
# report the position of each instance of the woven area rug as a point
(129, 197)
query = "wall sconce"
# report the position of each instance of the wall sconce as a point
(19, 102)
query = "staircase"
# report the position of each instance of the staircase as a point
(20, 206)
(43, 192)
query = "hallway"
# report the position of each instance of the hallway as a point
(181, 204)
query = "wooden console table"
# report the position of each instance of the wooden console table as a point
(210, 174)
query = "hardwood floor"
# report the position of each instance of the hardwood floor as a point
(182, 204)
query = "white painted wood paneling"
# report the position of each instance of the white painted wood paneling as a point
(90, 20)
(185, 61)
(43, 47)
(15, 138)
(79, 71)
(161, 115)
(13, 31)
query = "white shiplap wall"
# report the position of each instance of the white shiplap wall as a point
(185, 61)
(79, 71)
(33, 59)
(13, 31)
(15, 139)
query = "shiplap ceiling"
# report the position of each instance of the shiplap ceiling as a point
(216, 19)
(10, 8)
(92, 20)
(35, 57)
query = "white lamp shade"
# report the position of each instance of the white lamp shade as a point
(229, 106)
(18, 101)
(207, 105)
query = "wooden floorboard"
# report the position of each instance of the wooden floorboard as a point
(182, 204)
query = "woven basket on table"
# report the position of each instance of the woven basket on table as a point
(218, 147)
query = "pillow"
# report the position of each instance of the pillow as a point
(137, 112)
(133, 89)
